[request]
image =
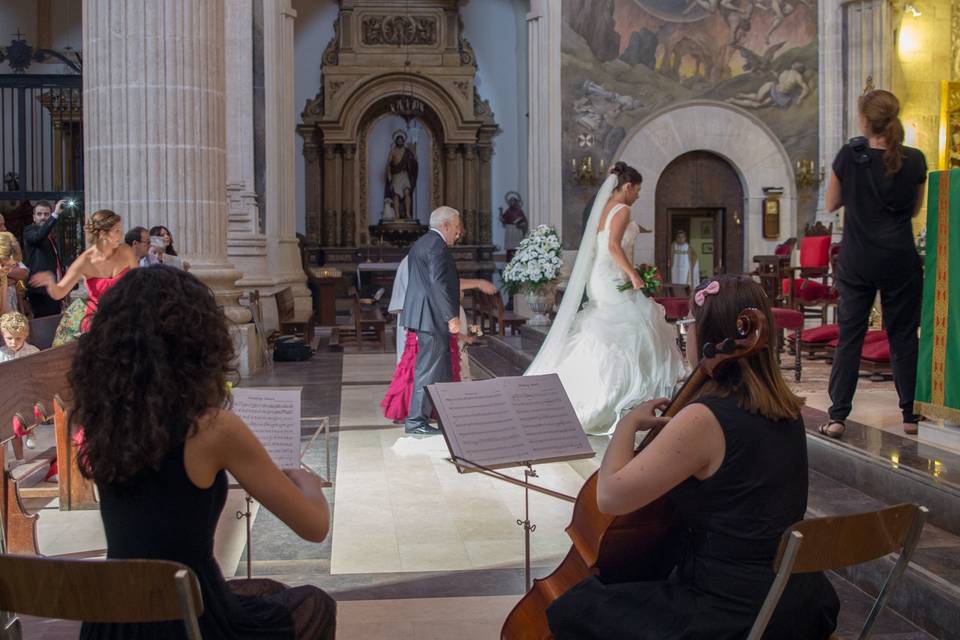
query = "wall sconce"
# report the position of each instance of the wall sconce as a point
(582, 171)
(806, 173)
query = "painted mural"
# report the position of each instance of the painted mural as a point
(623, 60)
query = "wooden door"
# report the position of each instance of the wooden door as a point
(701, 185)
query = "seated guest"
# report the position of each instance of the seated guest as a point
(139, 242)
(159, 449)
(734, 464)
(10, 269)
(15, 329)
(105, 262)
(162, 251)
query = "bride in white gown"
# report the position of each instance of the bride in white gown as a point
(618, 350)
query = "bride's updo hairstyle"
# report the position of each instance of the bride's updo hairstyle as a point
(756, 380)
(625, 174)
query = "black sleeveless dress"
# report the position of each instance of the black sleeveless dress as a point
(164, 516)
(733, 522)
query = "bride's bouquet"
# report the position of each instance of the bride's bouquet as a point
(650, 276)
(536, 263)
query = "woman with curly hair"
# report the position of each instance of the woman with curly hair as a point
(149, 387)
(106, 260)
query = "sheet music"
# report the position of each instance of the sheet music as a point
(511, 420)
(274, 417)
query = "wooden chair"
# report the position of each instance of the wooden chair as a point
(493, 318)
(828, 544)
(772, 270)
(108, 591)
(286, 315)
(367, 321)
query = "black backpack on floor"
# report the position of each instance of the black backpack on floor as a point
(291, 349)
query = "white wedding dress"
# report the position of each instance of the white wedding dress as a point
(618, 350)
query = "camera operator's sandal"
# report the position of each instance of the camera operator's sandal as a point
(913, 427)
(833, 433)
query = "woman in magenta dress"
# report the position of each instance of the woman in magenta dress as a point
(396, 403)
(104, 262)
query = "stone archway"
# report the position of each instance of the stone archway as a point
(730, 132)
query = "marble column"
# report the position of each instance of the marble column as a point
(246, 244)
(347, 188)
(311, 156)
(283, 252)
(831, 79)
(155, 127)
(470, 195)
(484, 212)
(870, 45)
(331, 227)
(453, 174)
(545, 200)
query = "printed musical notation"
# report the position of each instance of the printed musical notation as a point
(274, 417)
(510, 420)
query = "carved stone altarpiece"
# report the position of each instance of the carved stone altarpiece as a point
(383, 50)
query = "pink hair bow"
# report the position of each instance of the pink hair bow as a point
(711, 289)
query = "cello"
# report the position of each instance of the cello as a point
(640, 545)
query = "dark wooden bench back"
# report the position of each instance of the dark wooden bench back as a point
(30, 380)
(43, 330)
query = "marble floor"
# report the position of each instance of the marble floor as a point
(417, 550)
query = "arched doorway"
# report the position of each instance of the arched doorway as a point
(701, 194)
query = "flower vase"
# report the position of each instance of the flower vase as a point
(540, 301)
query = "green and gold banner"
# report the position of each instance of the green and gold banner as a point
(938, 367)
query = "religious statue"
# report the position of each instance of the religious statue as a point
(684, 268)
(513, 219)
(402, 172)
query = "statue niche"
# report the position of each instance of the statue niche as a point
(401, 179)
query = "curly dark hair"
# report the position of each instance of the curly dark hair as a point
(157, 356)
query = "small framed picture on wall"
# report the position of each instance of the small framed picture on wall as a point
(706, 229)
(707, 248)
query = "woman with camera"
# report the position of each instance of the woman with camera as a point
(880, 184)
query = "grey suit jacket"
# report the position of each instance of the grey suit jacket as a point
(433, 288)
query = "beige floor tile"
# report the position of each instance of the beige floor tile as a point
(418, 610)
(372, 630)
(467, 630)
(364, 551)
(369, 367)
(360, 406)
(436, 555)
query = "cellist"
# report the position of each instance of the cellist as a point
(734, 463)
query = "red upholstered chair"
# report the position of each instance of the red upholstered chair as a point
(784, 320)
(815, 341)
(675, 299)
(875, 358)
(874, 335)
(810, 290)
(773, 269)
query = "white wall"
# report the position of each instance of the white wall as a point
(497, 30)
(312, 30)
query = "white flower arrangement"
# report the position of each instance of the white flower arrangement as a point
(536, 263)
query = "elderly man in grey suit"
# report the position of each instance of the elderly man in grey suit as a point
(431, 308)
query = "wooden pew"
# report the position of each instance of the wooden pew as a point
(493, 318)
(27, 383)
(286, 315)
(76, 492)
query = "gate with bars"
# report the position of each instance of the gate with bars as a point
(41, 152)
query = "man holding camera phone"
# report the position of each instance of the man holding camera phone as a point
(43, 254)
